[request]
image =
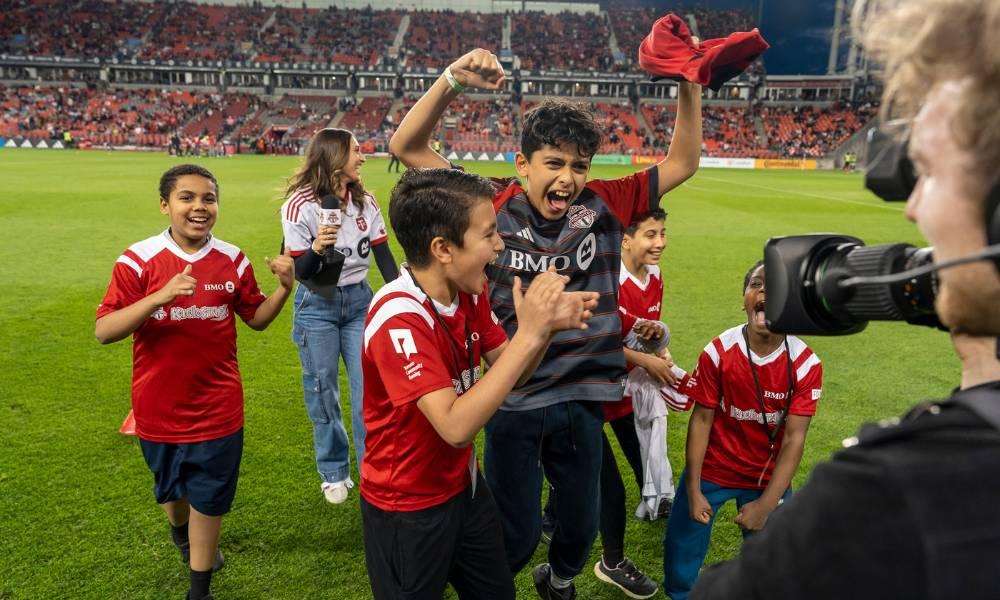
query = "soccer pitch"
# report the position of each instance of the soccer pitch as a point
(79, 519)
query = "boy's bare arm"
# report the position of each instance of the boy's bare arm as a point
(685, 146)
(754, 514)
(283, 268)
(699, 428)
(123, 322)
(411, 142)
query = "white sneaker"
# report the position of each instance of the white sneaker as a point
(336, 492)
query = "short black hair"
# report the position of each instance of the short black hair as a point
(168, 181)
(430, 203)
(746, 278)
(657, 214)
(556, 122)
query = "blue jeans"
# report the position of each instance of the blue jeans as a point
(685, 542)
(324, 330)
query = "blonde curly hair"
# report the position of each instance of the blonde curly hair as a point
(921, 43)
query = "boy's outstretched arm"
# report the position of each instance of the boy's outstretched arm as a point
(685, 146)
(411, 142)
(283, 268)
(123, 322)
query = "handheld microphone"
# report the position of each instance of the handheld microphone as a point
(329, 215)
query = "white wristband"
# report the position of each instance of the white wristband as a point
(455, 85)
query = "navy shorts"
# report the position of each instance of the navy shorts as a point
(203, 472)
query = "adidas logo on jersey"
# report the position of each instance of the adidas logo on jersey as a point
(526, 234)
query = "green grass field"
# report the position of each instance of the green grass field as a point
(77, 516)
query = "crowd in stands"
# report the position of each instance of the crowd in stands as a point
(809, 132)
(435, 38)
(561, 41)
(152, 117)
(182, 30)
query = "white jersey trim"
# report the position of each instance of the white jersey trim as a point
(734, 337)
(130, 264)
(394, 308)
(624, 275)
(806, 366)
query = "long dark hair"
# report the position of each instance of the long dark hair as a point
(322, 166)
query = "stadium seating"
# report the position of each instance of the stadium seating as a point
(435, 38)
(183, 30)
(561, 41)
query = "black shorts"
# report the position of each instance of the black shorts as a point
(414, 555)
(203, 472)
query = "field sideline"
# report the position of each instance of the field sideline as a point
(78, 517)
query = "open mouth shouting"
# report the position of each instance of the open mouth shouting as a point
(758, 314)
(558, 201)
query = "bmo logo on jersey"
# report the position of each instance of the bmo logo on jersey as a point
(585, 253)
(228, 287)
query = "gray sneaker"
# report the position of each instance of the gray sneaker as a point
(627, 578)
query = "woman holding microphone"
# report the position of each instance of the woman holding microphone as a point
(330, 309)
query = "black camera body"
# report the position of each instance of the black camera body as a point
(809, 288)
(832, 284)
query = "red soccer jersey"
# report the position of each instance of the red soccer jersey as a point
(407, 465)
(636, 300)
(186, 384)
(738, 449)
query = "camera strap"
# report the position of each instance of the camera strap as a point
(772, 434)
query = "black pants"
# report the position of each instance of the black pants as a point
(565, 441)
(414, 555)
(613, 488)
(393, 161)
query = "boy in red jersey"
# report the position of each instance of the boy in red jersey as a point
(551, 215)
(177, 293)
(755, 393)
(429, 519)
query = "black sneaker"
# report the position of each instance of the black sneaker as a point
(664, 509)
(627, 578)
(208, 597)
(548, 528)
(542, 576)
(185, 550)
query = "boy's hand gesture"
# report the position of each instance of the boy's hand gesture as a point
(181, 284)
(573, 310)
(648, 330)
(479, 69)
(659, 369)
(536, 308)
(283, 268)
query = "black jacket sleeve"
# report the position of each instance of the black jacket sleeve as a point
(385, 262)
(307, 264)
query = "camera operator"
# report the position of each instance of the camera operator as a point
(908, 510)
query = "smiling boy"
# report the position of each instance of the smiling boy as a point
(177, 292)
(555, 218)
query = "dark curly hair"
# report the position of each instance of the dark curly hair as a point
(430, 203)
(556, 122)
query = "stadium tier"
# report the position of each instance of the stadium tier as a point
(265, 78)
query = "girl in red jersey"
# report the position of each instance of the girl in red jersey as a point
(755, 392)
